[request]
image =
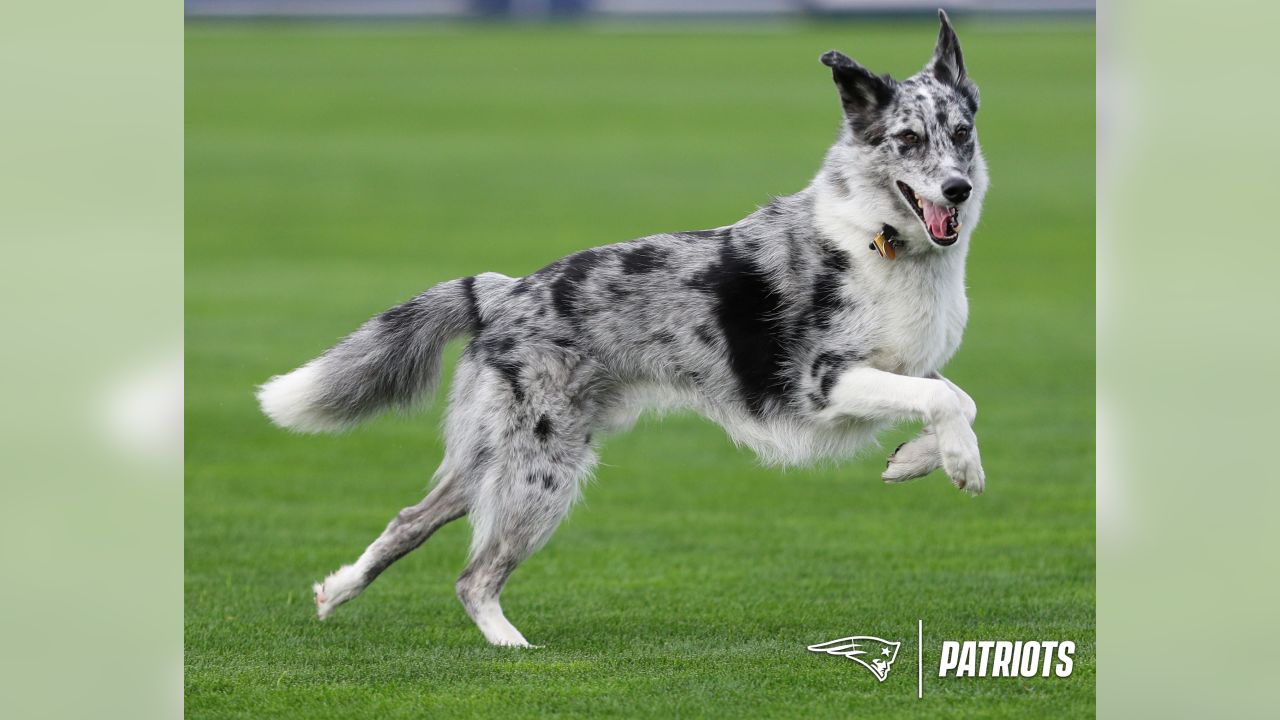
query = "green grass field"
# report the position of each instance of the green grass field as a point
(334, 171)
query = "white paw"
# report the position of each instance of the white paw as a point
(501, 633)
(962, 461)
(915, 458)
(513, 642)
(345, 583)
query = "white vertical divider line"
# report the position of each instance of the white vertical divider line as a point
(920, 659)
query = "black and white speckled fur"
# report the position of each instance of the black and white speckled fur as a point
(784, 328)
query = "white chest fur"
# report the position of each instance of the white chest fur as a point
(916, 308)
(913, 309)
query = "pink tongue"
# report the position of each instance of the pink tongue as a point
(935, 216)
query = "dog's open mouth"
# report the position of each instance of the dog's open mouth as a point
(939, 220)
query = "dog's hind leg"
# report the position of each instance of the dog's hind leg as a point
(467, 456)
(410, 528)
(516, 511)
(542, 453)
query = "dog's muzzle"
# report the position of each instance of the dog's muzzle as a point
(939, 221)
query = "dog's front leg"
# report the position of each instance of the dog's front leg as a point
(919, 456)
(878, 396)
(969, 407)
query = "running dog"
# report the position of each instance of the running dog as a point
(803, 330)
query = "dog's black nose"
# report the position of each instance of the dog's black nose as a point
(956, 189)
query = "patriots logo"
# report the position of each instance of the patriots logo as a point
(873, 653)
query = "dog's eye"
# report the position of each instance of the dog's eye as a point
(961, 134)
(909, 137)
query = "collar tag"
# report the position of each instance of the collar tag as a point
(884, 246)
(886, 242)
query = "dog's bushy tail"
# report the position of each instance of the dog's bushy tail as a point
(391, 361)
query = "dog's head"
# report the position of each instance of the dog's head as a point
(909, 152)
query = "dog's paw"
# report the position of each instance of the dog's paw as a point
(504, 634)
(969, 477)
(515, 643)
(345, 583)
(913, 459)
(962, 461)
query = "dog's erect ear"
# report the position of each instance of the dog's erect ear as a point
(861, 91)
(947, 64)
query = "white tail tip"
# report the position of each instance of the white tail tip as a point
(289, 400)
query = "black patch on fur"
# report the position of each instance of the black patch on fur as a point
(828, 382)
(521, 287)
(473, 306)
(827, 367)
(864, 95)
(871, 130)
(835, 260)
(573, 270)
(497, 344)
(826, 300)
(495, 349)
(547, 481)
(617, 290)
(644, 259)
(664, 337)
(543, 429)
(942, 73)
(749, 313)
(705, 333)
(510, 370)
(398, 326)
(401, 317)
(860, 89)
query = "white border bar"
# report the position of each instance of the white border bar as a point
(920, 659)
